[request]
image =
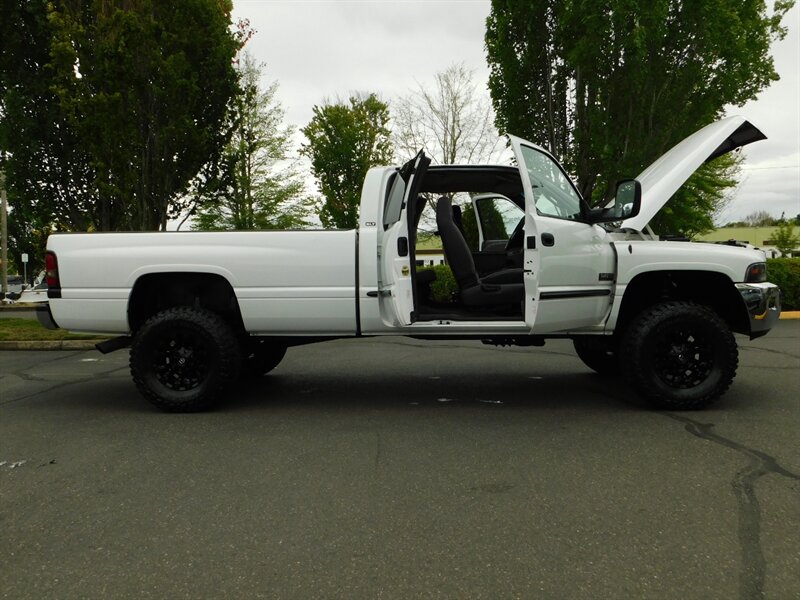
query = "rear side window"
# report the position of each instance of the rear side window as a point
(394, 201)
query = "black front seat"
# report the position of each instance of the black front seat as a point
(496, 289)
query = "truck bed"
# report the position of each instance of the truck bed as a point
(289, 282)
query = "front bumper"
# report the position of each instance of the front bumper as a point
(763, 301)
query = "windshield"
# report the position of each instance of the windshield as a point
(553, 192)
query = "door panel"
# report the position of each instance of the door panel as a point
(576, 277)
(396, 292)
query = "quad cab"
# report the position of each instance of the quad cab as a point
(531, 260)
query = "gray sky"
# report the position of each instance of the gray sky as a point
(319, 49)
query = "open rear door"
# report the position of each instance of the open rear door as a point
(531, 258)
(396, 250)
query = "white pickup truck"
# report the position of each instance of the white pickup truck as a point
(202, 309)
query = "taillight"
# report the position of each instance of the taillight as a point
(756, 273)
(51, 271)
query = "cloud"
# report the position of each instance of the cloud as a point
(319, 50)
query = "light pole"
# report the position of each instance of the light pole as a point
(3, 234)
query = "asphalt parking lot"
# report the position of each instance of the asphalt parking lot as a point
(400, 469)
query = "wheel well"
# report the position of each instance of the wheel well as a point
(708, 288)
(158, 291)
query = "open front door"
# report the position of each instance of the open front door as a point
(531, 259)
(569, 263)
(396, 250)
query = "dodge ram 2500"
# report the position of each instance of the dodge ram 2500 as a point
(202, 309)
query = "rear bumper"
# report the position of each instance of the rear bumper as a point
(763, 301)
(45, 317)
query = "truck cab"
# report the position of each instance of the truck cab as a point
(543, 262)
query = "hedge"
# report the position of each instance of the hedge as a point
(785, 273)
(444, 287)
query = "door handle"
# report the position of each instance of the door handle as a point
(402, 246)
(548, 239)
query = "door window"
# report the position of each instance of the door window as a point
(553, 192)
(499, 217)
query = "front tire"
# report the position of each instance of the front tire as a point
(183, 357)
(680, 355)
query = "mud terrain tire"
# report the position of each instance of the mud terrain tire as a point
(680, 355)
(183, 357)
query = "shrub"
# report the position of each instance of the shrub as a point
(785, 273)
(444, 287)
(784, 239)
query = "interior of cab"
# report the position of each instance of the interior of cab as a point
(476, 215)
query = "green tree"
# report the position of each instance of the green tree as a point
(704, 195)
(610, 86)
(49, 174)
(784, 238)
(145, 86)
(257, 185)
(344, 141)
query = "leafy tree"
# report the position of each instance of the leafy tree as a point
(784, 239)
(759, 218)
(49, 174)
(345, 139)
(693, 207)
(610, 86)
(145, 86)
(452, 122)
(256, 184)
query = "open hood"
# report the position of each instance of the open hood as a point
(663, 178)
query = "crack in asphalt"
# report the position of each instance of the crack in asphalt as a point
(100, 375)
(377, 450)
(754, 567)
(768, 351)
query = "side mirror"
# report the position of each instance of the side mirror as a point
(627, 202)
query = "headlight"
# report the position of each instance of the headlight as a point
(756, 273)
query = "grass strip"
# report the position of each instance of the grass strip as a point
(23, 330)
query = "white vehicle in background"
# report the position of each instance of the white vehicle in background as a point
(199, 309)
(36, 293)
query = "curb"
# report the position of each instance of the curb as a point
(50, 345)
(791, 314)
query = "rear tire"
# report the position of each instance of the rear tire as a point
(680, 355)
(183, 357)
(599, 353)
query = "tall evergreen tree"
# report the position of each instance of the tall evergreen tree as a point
(610, 86)
(145, 87)
(48, 172)
(256, 184)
